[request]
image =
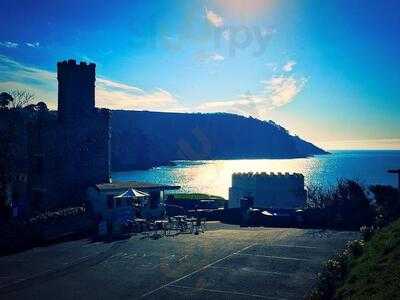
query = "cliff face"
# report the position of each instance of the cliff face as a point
(143, 139)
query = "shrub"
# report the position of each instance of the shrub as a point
(356, 247)
(345, 206)
(387, 202)
(367, 232)
(335, 270)
(53, 216)
(389, 245)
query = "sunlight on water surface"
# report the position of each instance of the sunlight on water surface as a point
(214, 176)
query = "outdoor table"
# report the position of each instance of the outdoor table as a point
(140, 220)
(161, 221)
(142, 223)
(161, 224)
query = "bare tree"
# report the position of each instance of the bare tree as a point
(5, 99)
(21, 98)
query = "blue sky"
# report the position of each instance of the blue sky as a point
(327, 70)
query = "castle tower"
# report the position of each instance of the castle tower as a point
(76, 89)
(84, 130)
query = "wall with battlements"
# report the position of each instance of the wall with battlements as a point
(268, 190)
(76, 89)
(84, 129)
(69, 151)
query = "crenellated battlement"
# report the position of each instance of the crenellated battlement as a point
(85, 129)
(71, 63)
(266, 175)
(73, 148)
(71, 67)
(76, 90)
(282, 190)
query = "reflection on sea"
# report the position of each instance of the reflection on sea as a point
(214, 176)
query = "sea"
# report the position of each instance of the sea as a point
(214, 176)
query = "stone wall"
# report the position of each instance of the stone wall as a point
(84, 131)
(268, 190)
(66, 151)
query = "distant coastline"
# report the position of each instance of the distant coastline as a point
(142, 140)
(173, 163)
(214, 176)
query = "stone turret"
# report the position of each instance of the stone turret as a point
(84, 130)
(76, 89)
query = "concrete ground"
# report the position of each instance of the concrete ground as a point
(226, 262)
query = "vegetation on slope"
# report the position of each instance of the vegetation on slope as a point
(196, 196)
(190, 201)
(368, 268)
(376, 273)
(142, 139)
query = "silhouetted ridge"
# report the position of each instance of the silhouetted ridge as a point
(142, 139)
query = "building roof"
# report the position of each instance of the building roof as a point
(131, 193)
(125, 185)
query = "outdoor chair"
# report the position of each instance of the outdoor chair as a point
(185, 225)
(138, 225)
(199, 225)
(172, 227)
(161, 227)
(203, 225)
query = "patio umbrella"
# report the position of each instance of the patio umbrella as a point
(132, 193)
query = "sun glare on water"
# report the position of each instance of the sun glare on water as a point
(215, 176)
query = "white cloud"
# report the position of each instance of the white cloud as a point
(288, 67)
(276, 92)
(33, 45)
(14, 75)
(209, 57)
(116, 95)
(109, 94)
(214, 19)
(282, 90)
(8, 44)
(217, 57)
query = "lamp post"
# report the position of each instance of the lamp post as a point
(398, 176)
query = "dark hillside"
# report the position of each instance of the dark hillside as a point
(142, 139)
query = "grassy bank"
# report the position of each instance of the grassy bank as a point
(196, 196)
(191, 201)
(376, 273)
(363, 269)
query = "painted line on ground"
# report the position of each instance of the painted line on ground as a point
(225, 292)
(294, 246)
(50, 274)
(274, 257)
(196, 271)
(255, 271)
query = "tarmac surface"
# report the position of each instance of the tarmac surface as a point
(225, 262)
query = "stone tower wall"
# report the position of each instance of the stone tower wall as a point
(268, 190)
(76, 89)
(84, 130)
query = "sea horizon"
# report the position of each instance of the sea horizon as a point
(214, 176)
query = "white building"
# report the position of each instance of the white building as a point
(110, 206)
(268, 190)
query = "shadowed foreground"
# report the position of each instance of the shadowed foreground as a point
(225, 262)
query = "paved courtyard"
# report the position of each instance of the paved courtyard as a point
(226, 262)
